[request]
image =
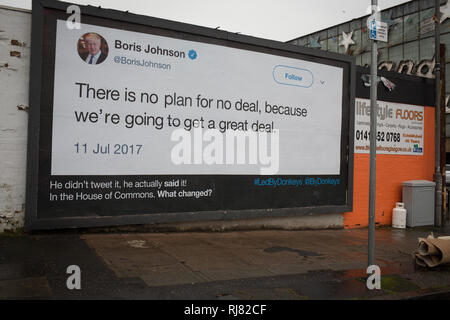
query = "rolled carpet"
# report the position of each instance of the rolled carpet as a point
(432, 252)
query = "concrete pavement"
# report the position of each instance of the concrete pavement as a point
(243, 265)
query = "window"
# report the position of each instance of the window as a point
(411, 51)
(356, 48)
(395, 35)
(425, 22)
(333, 44)
(427, 48)
(396, 55)
(411, 27)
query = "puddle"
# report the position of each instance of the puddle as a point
(302, 253)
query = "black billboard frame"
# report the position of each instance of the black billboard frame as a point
(32, 222)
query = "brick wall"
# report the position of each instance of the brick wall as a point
(15, 27)
(392, 170)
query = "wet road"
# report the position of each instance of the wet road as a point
(244, 265)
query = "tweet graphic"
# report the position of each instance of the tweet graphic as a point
(128, 118)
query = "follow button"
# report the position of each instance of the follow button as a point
(292, 76)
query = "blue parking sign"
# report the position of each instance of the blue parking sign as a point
(373, 30)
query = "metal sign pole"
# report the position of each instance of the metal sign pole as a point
(373, 142)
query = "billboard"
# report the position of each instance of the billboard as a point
(138, 120)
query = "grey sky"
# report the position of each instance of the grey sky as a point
(280, 20)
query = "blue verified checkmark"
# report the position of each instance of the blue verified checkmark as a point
(192, 54)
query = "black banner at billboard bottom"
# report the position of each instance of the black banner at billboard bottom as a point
(75, 196)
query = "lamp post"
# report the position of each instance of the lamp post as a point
(373, 141)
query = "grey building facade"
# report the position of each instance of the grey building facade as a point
(410, 46)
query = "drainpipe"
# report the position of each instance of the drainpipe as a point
(437, 164)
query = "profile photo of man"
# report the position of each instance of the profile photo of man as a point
(92, 48)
